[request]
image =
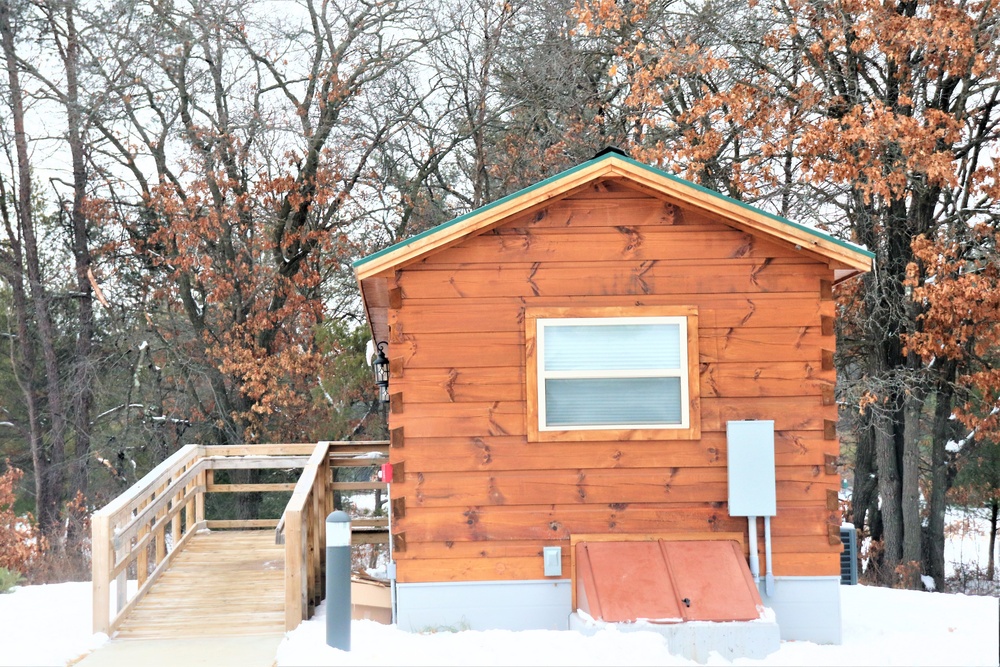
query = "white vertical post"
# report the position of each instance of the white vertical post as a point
(769, 579)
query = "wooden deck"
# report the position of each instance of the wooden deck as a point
(223, 583)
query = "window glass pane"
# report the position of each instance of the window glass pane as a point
(610, 402)
(612, 347)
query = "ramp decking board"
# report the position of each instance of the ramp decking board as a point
(224, 583)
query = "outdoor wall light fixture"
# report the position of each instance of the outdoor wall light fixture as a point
(381, 368)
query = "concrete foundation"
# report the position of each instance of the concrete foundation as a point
(484, 605)
(806, 608)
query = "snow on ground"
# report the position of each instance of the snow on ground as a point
(364, 502)
(50, 625)
(47, 625)
(966, 543)
(881, 627)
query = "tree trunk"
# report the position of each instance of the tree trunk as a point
(82, 388)
(247, 503)
(865, 478)
(886, 417)
(941, 476)
(48, 521)
(890, 493)
(991, 561)
(235, 433)
(23, 363)
(911, 490)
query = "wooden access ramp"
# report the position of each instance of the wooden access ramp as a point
(225, 583)
(161, 570)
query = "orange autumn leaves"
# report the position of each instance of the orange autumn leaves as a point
(20, 542)
(231, 308)
(847, 88)
(961, 318)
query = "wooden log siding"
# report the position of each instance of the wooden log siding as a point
(767, 310)
(481, 501)
(716, 344)
(603, 486)
(510, 453)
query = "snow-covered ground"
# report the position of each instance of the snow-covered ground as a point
(47, 625)
(966, 547)
(50, 625)
(881, 627)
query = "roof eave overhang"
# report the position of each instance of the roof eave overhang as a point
(365, 305)
(840, 275)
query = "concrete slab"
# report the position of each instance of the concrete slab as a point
(248, 651)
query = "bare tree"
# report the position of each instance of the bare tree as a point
(24, 264)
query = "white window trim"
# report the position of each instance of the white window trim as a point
(681, 372)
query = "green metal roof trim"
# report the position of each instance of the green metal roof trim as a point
(600, 158)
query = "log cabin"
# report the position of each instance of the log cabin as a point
(564, 365)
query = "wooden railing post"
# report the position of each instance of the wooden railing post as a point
(293, 569)
(189, 520)
(161, 535)
(199, 499)
(175, 520)
(121, 547)
(142, 558)
(316, 548)
(159, 530)
(100, 545)
(324, 506)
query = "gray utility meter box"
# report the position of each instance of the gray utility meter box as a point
(750, 457)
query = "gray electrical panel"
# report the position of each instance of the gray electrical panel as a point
(750, 456)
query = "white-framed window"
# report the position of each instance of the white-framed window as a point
(622, 372)
(618, 373)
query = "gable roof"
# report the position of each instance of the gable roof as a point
(613, 164)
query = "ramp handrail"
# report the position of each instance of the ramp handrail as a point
(171, 494)
(156, 517)
(303, 521)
